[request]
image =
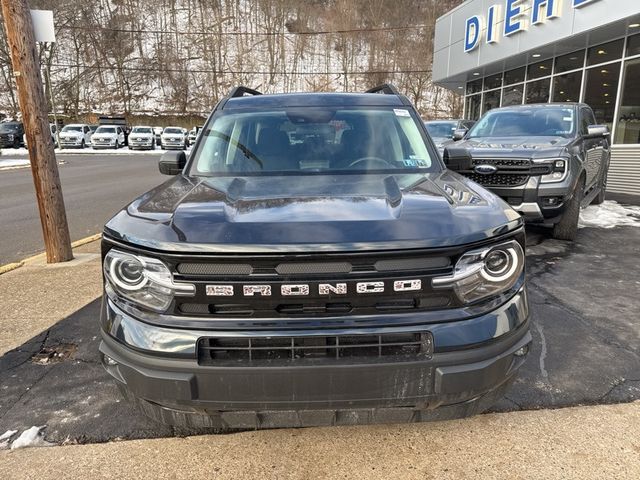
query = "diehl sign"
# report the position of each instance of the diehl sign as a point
(514, 17)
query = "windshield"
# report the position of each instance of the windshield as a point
(312, 140)
(141, 130)
(106, 130)
(530, 122)
(172, 130)
(441, 129)
(8, 127)
(72, 128)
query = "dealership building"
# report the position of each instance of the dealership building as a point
(508, 52)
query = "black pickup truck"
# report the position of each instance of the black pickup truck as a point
(313, 263)
(545, 160)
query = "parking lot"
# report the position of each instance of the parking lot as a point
(584, 303)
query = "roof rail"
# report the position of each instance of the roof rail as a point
(240, 91)
(386, 88)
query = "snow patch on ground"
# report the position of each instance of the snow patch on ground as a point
(5, 437)
(12, 163)
(32, 437)
(609, 214)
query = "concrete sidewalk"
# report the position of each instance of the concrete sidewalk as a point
(574, 443)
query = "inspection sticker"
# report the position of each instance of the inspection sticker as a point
(400, 112)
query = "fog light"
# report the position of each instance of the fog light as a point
(551, 201)
(522, 351)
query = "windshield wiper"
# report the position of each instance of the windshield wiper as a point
(247, 153)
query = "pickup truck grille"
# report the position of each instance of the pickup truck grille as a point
(262, 351)
(511, 172)
(314, 285)
(498, 180)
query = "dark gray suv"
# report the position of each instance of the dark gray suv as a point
(545, 160)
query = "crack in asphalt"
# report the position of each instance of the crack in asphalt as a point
(597, 331)
(42, 343)
(619, 383)
(26, 391)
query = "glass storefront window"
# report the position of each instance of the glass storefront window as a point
(633, 46)
(512, 95)
(605, 52)
(566, 88)
(473, 104)
(514, 76)
(491, 100)
(628, 128)
(572, 61)
(538, 92)
(540, 69)
(600, 91)
(493, 81)
(474, 87)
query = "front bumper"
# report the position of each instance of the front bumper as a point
(472, 362)
(66, 143)
(532, 199)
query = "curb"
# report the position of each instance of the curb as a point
(13, 266)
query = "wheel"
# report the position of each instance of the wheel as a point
(117, 145)
(16, 142)
(82, 144)
(603, 191)
(567, 227)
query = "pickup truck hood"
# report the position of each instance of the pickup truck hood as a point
(514, 146)
(312, 213)
(103, 135)
(141, 135)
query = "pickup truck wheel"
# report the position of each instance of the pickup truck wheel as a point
(603, 191)
(117, 145)
(82, 145)
(567, 227)
(16, 143)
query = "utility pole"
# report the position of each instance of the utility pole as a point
(26, 68)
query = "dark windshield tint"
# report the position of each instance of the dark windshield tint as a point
(318, 139)
(172, 130)
(441, 129)
(532, 122)
(106, 130)
(141, 130)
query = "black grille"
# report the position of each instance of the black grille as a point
(260, 351)
(499, 179)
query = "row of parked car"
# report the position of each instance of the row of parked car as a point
(81, 135)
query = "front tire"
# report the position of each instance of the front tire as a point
(82, 145)
(567, 227)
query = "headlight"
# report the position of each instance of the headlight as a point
(142, 280)
(558, 171)
(10, 136)
(485, 272)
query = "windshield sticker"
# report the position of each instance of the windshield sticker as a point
(415, 162)
(401, 112)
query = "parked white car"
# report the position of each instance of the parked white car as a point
(52, 129)
(142, 138)
(174, 138)
(108, 136)
(75, 135)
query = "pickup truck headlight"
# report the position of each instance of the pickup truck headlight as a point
(142, 280)
(558, 171)
(485, 272)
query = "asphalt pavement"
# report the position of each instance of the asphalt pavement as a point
(95, 186)
(583, 297)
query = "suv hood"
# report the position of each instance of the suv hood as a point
(322, 213)
(104, 135)
(514, 146)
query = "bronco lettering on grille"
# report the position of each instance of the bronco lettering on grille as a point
(304, 289)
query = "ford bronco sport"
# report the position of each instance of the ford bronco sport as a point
(313, 263)
(546, 160)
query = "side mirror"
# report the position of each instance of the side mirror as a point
(594, 131)
(457, 159)
(172, 163)
(459, 133)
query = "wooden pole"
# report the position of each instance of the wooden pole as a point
(26, 68)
